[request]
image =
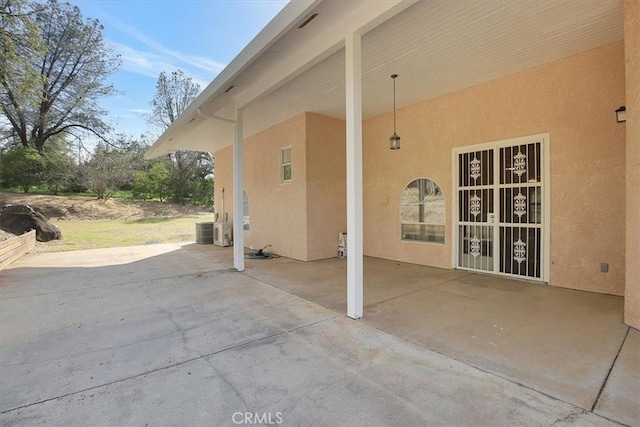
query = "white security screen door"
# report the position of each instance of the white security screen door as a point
(501, 211)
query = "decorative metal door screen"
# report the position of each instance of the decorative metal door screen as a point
(501, 219)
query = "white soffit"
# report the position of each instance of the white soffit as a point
(201, 133)
(436, 47)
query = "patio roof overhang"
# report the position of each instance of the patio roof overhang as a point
(335, 57)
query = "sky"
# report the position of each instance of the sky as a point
(200, 37)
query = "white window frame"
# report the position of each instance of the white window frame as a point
(283, 165)
(443, 224)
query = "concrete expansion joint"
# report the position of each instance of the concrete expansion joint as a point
(480, 369)
(145, 373)
(173, 365)
(606, 378)
(112, 285)
(297, 328)
(418, 290)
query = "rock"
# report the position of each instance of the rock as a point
(19, 219)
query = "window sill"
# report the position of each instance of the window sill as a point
(423, 242)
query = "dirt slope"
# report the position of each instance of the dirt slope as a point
(88, 208)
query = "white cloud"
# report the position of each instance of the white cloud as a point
(140, 110)
(151, 64)
(142, 55)
(200, 62)
(157, 58)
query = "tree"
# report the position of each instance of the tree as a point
(71, 67)
(106, 172)
(173, 95)
(155, 182)
(60, 164)
(187, 168)
(24, 167)
(135, 149)
(20, 46)
(58, 171)
(141, 187)
(159, 176)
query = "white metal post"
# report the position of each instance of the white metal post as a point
(238, 186)
(353, 71)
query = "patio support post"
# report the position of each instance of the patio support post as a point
(355, 252)
(238, 186)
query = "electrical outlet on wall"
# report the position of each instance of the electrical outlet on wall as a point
(604, 267)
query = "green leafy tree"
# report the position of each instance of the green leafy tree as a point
(59, 171)
(72, 62)
(159, 177)
(155, 182)
(23, 167)
(61, 164)
(141, 187)
(187, 172)
(203, 193)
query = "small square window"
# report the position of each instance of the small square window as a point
(285, 164)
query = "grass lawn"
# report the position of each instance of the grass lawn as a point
(85, 234)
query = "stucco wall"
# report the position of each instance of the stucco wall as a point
(574, 101)
(277, 211)
(632, 54)
(301, 220)
(326, 188)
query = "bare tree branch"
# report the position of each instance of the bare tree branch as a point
(53, 80)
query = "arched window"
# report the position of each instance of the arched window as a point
(422, 214)
(245, 211)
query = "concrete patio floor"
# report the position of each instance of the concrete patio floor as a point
(171, 335)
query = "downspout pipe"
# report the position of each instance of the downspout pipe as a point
(199, 112)
(238, 236)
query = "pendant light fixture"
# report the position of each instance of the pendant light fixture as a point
(394, 141)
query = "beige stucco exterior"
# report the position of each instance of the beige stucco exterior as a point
(326, 191)
(300, 219)
(573, 100)
(632, 66)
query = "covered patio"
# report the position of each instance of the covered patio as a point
(571, 345)
(315, 84)
(171, 334)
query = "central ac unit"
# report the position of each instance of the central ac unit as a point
(222, 234)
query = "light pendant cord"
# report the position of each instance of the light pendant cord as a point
(393, 76)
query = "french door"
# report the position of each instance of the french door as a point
(501, 217)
